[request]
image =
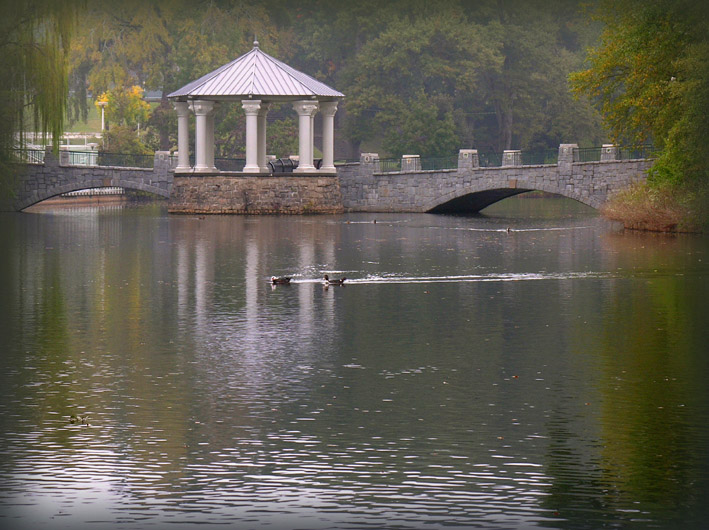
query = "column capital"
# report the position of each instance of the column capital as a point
(181, 107)
(251, 106)
(305, 108)
(202, 107)
(328, 108)
(265, 107)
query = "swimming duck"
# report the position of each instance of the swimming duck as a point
(333, 281)
(280, 281)
(81, 420)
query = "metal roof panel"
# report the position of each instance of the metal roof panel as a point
(256, 74)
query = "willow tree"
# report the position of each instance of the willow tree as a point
(34, 48)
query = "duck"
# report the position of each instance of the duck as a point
(81, 420)
(333, 281)
(280, 281)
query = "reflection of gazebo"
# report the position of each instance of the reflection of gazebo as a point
(257, 80)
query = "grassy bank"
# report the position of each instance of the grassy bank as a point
(661, 208)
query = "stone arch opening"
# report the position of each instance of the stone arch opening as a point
(475, 201)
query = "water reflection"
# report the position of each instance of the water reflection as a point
(551, 375)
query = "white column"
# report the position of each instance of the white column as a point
(183, 135)
(312, 131)
(210, 139)
(262, 161)
(201, 111)
(305, 110)
(251, 109)
(328, 111)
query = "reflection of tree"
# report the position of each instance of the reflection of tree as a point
(647, 455)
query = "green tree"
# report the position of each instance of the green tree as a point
(283, 137)
(124, 140)
(431, 62)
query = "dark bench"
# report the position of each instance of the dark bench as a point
(286, 165)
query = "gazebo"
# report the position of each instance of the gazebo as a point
(256, 80)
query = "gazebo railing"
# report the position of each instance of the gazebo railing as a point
(230, 164)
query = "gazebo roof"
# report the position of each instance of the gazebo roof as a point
(255, 75)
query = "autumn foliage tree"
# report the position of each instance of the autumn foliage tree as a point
(649, 76)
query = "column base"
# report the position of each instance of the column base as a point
(329, 170)
(252, 169)
(205, 169)
(305, 169)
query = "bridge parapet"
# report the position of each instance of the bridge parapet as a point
(470, 187)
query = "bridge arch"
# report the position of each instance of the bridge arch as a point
(478, 197)
(38, 182)
(47, 193)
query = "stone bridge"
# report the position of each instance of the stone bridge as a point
(470, 188)
(37, 182)
(357, 187)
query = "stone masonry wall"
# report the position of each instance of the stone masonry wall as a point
(358, 187)
(38, 182)
(219, 194)
(421, 191)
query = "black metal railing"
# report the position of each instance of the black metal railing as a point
(594, 154)
(446, 162)
(637, 152)
(535, 158)
(490, 159)
(125, 160)
(27, 156)
(587, 154)
(389, 164)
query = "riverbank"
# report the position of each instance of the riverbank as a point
(660, 208)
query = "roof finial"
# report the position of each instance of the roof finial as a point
(255, 42)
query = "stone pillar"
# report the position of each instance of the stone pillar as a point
(468, 159)
(183, 135)
(369, 163)
(566, 158)
(252, 108)
(609, 152)
(161, 163)
(201, 111)
(410, 162)
(261, 143)
(328, 111)
(511, 157)
(305, 110)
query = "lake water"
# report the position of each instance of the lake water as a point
(553, 375)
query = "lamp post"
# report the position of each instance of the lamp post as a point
(102, 104)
